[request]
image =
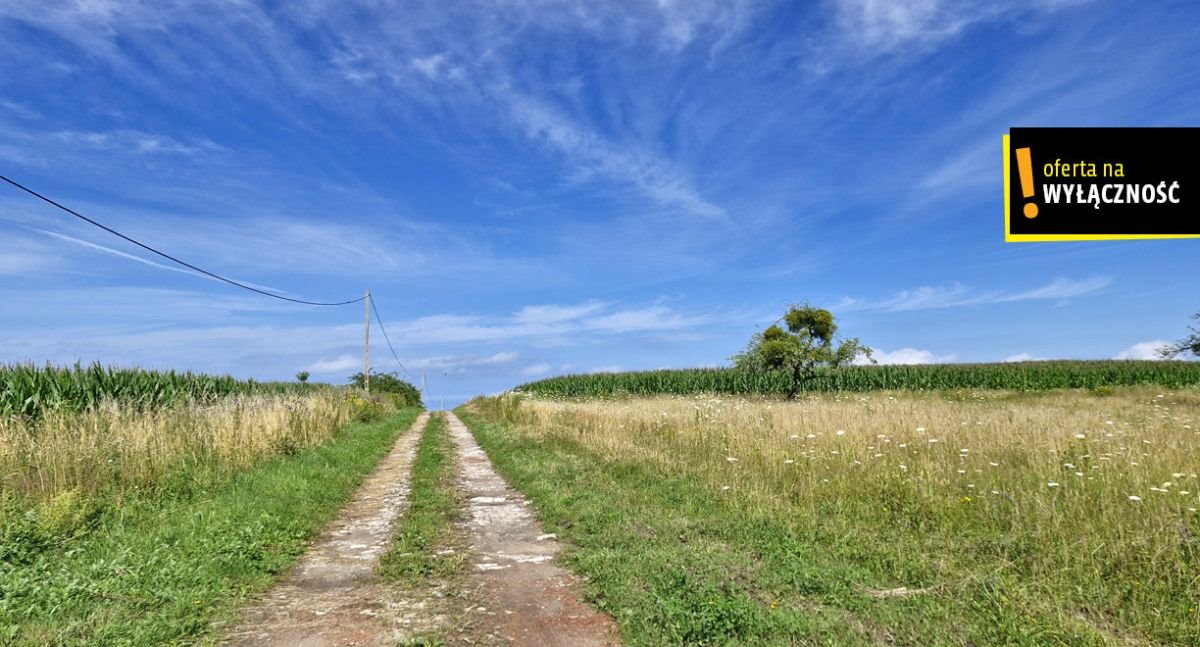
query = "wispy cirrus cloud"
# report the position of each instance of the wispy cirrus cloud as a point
(871, 28)
(123, 141)
(472, 55)
(548, 324)
(138, 259)
(958, 295)
(552, 314)
(593, 155)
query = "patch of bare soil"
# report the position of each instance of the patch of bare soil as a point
(329, 597)
(519, 595)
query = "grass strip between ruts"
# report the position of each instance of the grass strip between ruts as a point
(428, 523)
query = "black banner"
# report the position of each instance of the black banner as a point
(1102, 183)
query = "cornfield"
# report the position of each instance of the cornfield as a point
(31, 391)
(1016, 376)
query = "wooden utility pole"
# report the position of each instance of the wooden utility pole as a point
(367, 345)
(423, 394)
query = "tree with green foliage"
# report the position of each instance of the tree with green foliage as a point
(1191, 344)
(406, 394)
(805, 349)
(302, 376)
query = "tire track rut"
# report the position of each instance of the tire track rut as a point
(522, 597)
(329, 597)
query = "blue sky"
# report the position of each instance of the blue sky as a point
(533, 187)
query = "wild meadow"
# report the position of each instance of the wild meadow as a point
(112, 448)
(951, 517)
(136, 507)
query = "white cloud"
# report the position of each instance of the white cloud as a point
(341, 364)
(498, 358)
(551, 314)
(545, 323)
(871, 28)
(24, 264)
(138, 259)
(883, 25)
(133, 141)
(958, 295)
(436, 67)
(1144, 350)
(22, 256)
(536, 369)
(140, 341)
(591, 154)
(461, 361)
(1061, 288)
(1022, 357)
(606, 369)
(653, 318)
(908, 356)
(684, 20)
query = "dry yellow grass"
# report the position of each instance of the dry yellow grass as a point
(1075, 506)
(115, 446)
(1047, 448)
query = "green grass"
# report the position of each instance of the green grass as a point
(159, 569)
(428, 524)
(1017, 376)
(676, 561)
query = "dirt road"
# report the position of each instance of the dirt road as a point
(514, 593)
(523, 596)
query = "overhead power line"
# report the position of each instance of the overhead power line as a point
(379, 319)
(176, 260)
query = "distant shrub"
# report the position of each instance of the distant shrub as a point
(401, 393)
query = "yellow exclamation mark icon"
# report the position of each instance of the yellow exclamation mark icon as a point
(1025, 170)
